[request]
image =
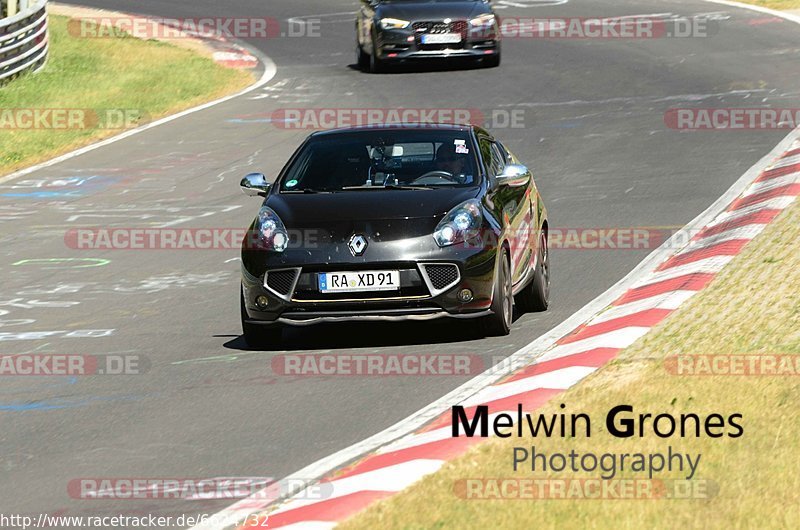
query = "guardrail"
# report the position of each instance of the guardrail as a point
(23, 36)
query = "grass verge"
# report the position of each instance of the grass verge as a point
(781, 5)
(150, 78)
(752, 307)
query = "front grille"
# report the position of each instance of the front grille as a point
(457, 26)
(281, 281)
(439, 27)
(442, 276)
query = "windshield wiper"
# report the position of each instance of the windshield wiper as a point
(307, 190)
(386, 187)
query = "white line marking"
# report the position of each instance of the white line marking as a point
(788, 161)
(766, 185)
(435, 435)
(781, 14)
(710, 265)
(778, 203)
(302, 19)
(562, 378)
(391, 478)
(670, 300)
(743, 232)
(619, 338)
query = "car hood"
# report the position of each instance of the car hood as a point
(422, 10)
(320, 210)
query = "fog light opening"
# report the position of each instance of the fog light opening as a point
(465, 296)
(262, 302)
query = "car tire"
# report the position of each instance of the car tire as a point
(259, 336)
(362, 58)
(376, 64)
(498, 324)
(536, 295)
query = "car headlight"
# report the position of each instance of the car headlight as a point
(482, 21)
(271, 231)
(460, 225)
(394, 23)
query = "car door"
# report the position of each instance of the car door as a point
(510, 206)
(517, 213)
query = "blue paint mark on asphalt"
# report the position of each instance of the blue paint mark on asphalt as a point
(76, 186)
(262, 120)
(58, 404)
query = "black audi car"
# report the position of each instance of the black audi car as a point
(397, 222)
(391, 31)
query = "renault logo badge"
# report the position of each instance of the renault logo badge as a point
(358, 244)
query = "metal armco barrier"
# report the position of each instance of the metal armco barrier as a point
(23, 36)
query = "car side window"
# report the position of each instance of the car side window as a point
(498, 163)
(485, 145)
(507, 155)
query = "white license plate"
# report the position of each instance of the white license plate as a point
(441, 38)
(350, 282)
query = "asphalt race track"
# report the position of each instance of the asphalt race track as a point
(594, 136)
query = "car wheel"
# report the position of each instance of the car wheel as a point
(376, 65)
(499, 322)
(536, 295)
(362, 59)
(259, 336)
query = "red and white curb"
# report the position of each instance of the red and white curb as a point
(720, 234)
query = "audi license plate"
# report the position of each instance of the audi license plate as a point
(441, 38)
(349, 282)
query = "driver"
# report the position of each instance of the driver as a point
(448, 160)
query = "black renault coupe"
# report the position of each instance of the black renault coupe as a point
(392, 31)
(394, 222)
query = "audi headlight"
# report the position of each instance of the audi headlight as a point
(460, 225)
(482, 21)
(394, 23)
(271, 231)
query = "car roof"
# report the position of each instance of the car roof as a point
(397, 126)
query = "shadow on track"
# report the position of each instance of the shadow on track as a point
(370, 334)
(427, 66)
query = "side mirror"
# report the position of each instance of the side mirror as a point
(255, 184)
(514, 175)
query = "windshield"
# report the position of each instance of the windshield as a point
(383, 159)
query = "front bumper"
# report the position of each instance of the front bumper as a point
(407, 44)
(421, 315)
(429, 288)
